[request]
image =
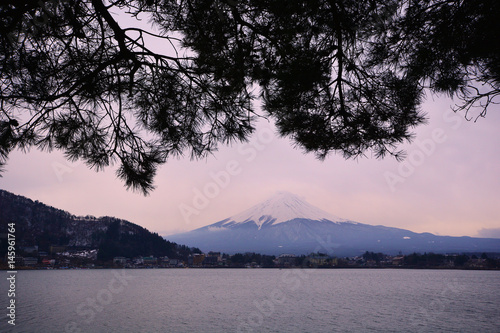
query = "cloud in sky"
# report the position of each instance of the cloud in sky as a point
(489, 233)
(448, 184)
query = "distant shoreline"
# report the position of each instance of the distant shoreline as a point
(253, 268)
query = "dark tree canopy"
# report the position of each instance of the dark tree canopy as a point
(341, 76)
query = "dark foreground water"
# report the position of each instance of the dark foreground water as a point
(254, 300)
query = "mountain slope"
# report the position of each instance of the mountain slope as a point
(287, 224)
(282, 207)
(45, 226)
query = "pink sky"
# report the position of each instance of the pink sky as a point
(448, 185)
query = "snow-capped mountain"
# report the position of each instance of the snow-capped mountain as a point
(285, 223)
(282, 207)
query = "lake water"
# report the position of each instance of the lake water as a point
(254, 300)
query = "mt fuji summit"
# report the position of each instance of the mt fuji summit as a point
(285, 223)
(282, 207)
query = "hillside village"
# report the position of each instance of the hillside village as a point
(60, 258)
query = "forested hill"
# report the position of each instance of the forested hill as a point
(44, 226)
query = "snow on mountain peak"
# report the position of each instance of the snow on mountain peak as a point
(282, 207)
